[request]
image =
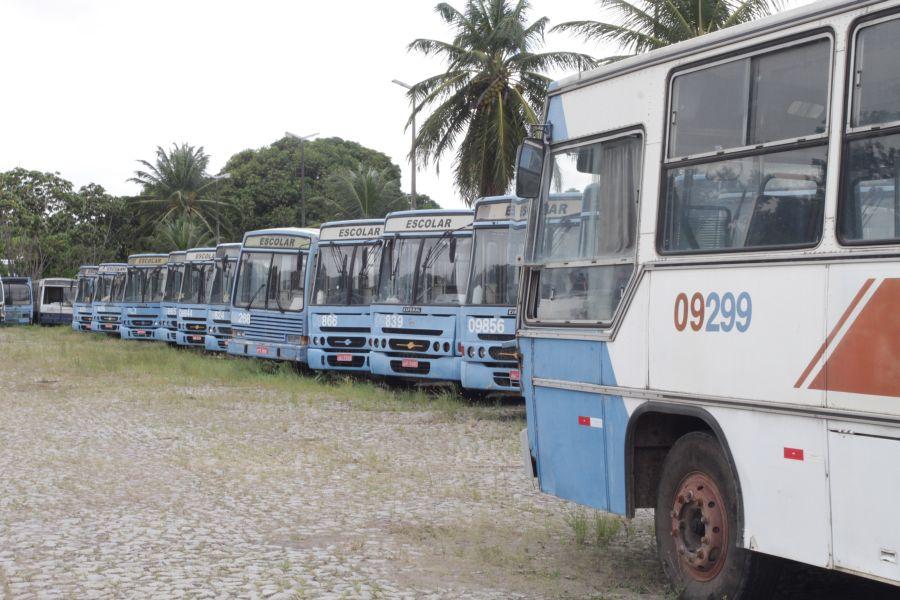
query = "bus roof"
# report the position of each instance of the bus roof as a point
(428, 221)
(353, 230)
(15, 279)
(809, 13)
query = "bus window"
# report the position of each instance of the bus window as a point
(396, 282)
(443, 270)
(605, 177)
(870, 199)
(17, 294)
(331, 277)
(57, 294)
(365, 274)
(287, 277)
(494, 273)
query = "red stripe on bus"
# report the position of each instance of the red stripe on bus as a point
(834, 332)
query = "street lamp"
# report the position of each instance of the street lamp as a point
(216, 178)
(302, 139)
(412, 153)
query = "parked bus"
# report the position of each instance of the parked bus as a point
(109, 291)
(54, 301)
(346, 275)
(18, 301)
(220, 284)
(421, 285)
(81, 308)
(199, 266)
(268, 306)
(167, 326)
(723, 343)
(144, 285)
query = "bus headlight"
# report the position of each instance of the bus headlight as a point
(471, 351)
(294, 339)
(481, 352)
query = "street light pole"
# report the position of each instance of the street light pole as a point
(302, 139)
(216, 178)
(412, 153)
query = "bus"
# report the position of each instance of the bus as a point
(167, 326)
(487, 321)
(220, 284)
(268, 305)
(18, 300)
(106, 305)
(722, 345)
(54, 301)
(345, 277)
(81, 308)
(199, 266)
(144, 284)
(421, 285)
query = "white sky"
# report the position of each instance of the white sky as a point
(89, 86)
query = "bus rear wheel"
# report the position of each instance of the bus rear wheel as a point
(698, 525)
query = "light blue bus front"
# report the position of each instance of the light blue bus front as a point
(346, 275)
(193, 311)
(18, 299)
(487, 324)
(167, 325)
(268, 306)
(143, 293)
(81, 308)
(106, 307)
(422, 283)
(218, 316)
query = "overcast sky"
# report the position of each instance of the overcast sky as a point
(89, 86)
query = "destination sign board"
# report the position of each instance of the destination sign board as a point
(428, 223)
(277, 241)
(341, 233)
(113, 269)
(200, 255)
(88, 271)
(147, 261)
(494, 211)
(176, 257)
(228, 251)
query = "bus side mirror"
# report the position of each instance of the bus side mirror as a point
(529, 167)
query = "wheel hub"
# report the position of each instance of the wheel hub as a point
(699, 526)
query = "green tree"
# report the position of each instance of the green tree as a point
(483, 102)
(643, 25)
(366, 193)
(180, 233)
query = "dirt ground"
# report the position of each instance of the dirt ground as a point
(130, 469)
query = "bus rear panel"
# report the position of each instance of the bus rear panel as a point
(346, 274)
(422, 284)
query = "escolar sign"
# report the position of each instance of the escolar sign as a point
(147, 261)
(277, 242)
(428, 223)
(201, 255)
(350, 232)
(112, 269)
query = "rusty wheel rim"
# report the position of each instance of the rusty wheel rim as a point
(699, 527)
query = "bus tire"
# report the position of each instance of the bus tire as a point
(698, 525)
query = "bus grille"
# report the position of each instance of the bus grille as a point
(423, 368)
(271, 328)
(502, 354)
(346, 342)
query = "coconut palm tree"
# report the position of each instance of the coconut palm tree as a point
(643, 25)
(180, 232)
(366, 192)
(482, 103)
(175, 184)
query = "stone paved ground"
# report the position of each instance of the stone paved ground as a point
(133, 470)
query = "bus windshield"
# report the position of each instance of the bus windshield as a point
(109, 288)
(219, 281)
(270, 280)
(494, 274)
(85, 290)
(173, 283)
(16, 294)
(347, 274)
(192, 289)
(144, 284)
(438, 267)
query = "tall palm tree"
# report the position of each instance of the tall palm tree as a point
(366, 192)
(488, 94)
(175, 183)
(180, 232)
(643, 25)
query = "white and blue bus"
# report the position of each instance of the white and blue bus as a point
(219, 286)
(106, 305)
(54, 300)
(191, 321)
(722, 343)
(144, 285)
(268, 305)
(487, 321)
(167, 326)
(81, 308)
(345, 281)
(422, 283)
(18, 300)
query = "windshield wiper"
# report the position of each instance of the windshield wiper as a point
(261, 287)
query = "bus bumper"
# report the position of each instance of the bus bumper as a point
(266, 350)
(164, 335)
(183, 338)
(436, 368)
(137, 333)
(55, 319)
(479, 376)
(356, 362)
(216, 344)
